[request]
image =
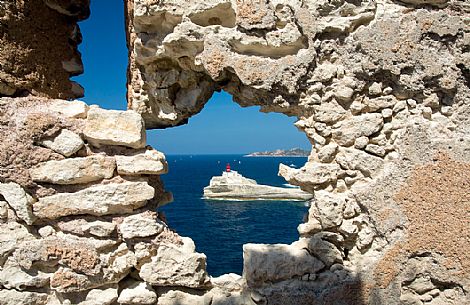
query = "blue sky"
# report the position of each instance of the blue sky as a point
(223, 127)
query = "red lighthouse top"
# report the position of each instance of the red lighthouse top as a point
(227, 168)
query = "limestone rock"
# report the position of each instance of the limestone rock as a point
(66, 143)
(77, 255)
(137, 293)
(328, 113)
(83, 227)
(357, 126)
(272, 263)
(101, 296)
(353, 159)
(379, 103)
(176, 266)
(312, 226)
(118, 264)
(113, 127)
(95, 243)
(66, 281)
(375, 88)
(327, 153)
(312, 176)
(74, 170)
(327, 252)
(15, 297)
(424, 2)
(329, 208)
(232, 185)
(229, 281)
(375, 150)
(18, 200)
(150, 162)
(113, 198)
(422, 285)
(365, 237)
(140, 225)
(70, 109)
(11, 235)
(13, 276)
(344, 93)
(168, 296)
(46, 231)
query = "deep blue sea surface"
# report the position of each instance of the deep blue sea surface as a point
(220, 228)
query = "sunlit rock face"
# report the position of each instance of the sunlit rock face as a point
(381, 89)
(78, 221)
(39, 47)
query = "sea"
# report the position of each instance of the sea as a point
(220, 228)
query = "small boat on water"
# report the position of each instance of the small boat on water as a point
(233, 186)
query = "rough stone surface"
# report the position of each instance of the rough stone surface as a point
(74, 170)
(66, 143)
(137, 293)
(140, 225)
(150, 162)
(93, 229)
(113, 198)
(176, 266)
(83, 227)
(14, 297)
(274, 263)
(380, 88)
(113, 127)
(19, 201)
(39, 47)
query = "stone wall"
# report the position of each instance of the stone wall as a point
(38, 47)
(78, 193)
(381, 89)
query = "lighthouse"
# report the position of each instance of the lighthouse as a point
(227, 168)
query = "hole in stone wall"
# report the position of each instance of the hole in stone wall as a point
(222, 133)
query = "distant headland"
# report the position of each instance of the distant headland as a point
(293, 152)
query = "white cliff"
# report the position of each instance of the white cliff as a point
(232, 185)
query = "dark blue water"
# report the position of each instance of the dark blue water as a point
(220, 228)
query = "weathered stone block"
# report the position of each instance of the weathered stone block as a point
(137, 293)
(75, 170)
(69, 109)
(113, 198)
(357, 126)
(176, 266)
(66, 143)
(113, 127)
(311, 176)
(150, 162)
(15, 297)
(264, 263)
(141, 225)
(83, 227)
(18, 200)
